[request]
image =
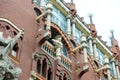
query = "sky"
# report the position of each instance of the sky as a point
(106, 16)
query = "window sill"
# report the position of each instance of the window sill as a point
(36, 75)
(14, 59)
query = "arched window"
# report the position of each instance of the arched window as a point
(38, 66)
(60, 77)
(49, 76)
(64, 77)
(65, 53)
(15, 50)
(78, 34)
(7, 27)
(44, 68)
(96, 64)
(72, 43)
(37, 11)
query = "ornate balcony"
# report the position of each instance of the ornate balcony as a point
(49, 49)
(66, 62)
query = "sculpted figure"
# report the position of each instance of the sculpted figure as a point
(7, 68)
(58, 45)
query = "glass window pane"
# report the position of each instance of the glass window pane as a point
(59, 19)
(78, 34)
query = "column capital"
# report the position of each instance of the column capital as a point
(84, 45)
(68, 16)
(90, 38)
(113, 60)
(49, 12)
(108, 67)
(83, 38)
(94, 41)
(106, 61)
(73, 21)
(116, 63)
(49, 5)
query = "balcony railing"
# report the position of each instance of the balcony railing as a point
(49, 49)
(66, 62)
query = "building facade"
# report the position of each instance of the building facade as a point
(47, 40)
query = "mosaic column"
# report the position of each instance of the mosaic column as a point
(68, 25)
(117, 70)
(73, 28)
(42, 4)
(106, 61)
(90, 45)
(95, 49)
(84, 46)
(114, 69)
(49, 14)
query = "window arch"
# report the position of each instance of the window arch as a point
(64, 75)
(60, 77)
(96, 64)
(38, 66)
(65, 52)
(72, 43)
(43, 66)
(15, 50)
(37, 11)
(49, 75)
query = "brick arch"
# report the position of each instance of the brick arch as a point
(41, 56)
(73, 42)
(64, 37)
(44, 35)
(62, 72)
(48, 60)
(38, 55)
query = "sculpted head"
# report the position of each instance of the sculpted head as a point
(58, 37)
